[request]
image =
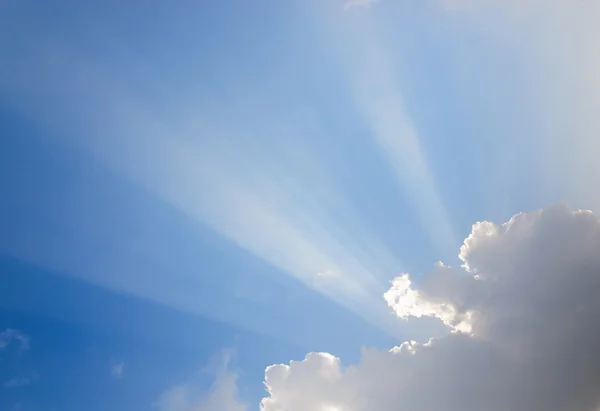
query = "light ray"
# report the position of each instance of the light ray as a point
(378, 98)
(280, 214)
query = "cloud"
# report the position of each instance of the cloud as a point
(17, 382)
(528, 292)
(10, 335)
(116, 371)
(221, 396)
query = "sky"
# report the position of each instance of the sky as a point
(303, 205)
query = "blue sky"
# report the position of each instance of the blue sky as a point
(183, 183)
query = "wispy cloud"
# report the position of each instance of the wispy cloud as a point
(17, 382)
(117, 370)
(10, 335)
(221, 396)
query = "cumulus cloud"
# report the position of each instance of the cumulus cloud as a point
(9, 335)
(222, 395)
(528, 292)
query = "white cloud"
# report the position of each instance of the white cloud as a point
(9, 335)
(116, 371)
(531, 300)
(221, 396)
(408, 302)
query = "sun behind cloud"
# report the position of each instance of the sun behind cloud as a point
(532, 340)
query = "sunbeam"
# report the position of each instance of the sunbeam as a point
(236, 182)
(352, 199)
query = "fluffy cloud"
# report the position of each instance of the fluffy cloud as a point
(9, 335)
(527, 297)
